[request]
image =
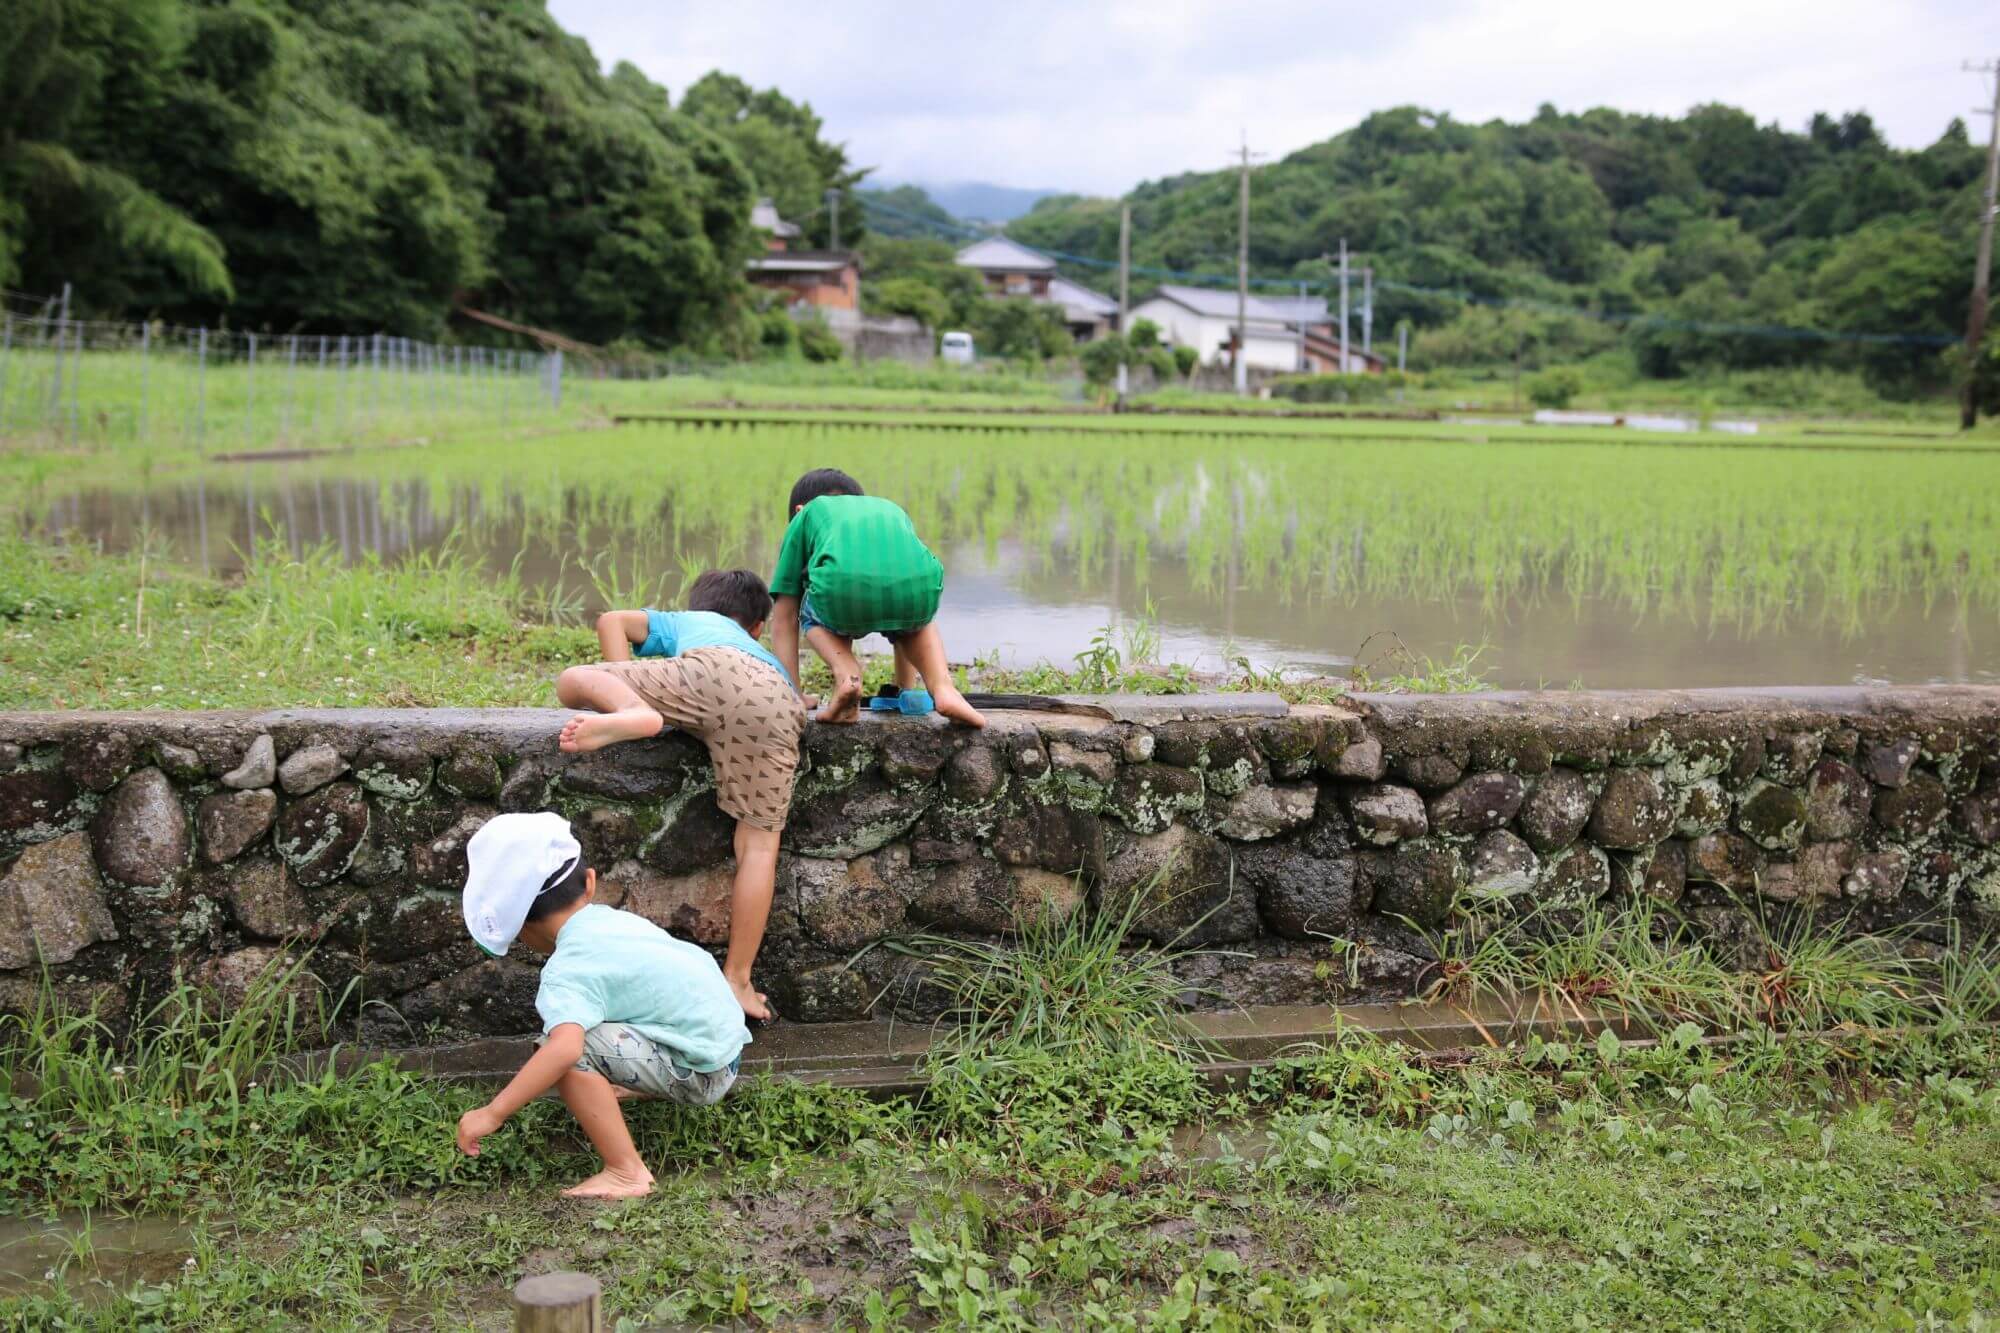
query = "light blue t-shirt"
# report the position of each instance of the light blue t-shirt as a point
(671, 633)
(614, 967)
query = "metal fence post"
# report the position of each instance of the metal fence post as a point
(250, 410)
(555, 363)
(52, 414)
(291, 380)
(201, 392)
(75, 374)
(6, 356)
(312, 400)
(145, 380)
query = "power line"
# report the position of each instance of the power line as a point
(1982, 271)
(1329, 284)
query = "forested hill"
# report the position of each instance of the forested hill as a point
(367, 164)
(1710, 217)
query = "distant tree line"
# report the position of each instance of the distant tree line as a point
(370, 164)
(1707, 219)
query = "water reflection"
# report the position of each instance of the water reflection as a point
(1019, 601)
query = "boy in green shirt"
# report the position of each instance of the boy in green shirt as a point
(627, 1010)
(851, 565)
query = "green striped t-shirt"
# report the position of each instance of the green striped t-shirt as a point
(858, 558)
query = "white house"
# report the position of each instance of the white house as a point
(1205, 319)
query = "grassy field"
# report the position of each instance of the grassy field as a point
(171, 399)
(1070, 1171)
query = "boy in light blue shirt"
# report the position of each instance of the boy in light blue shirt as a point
(627, 1010)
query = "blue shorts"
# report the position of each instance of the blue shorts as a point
(809, 622)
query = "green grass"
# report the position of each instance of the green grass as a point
(169, 399)
(166, 399)
(82, 630)
(1759, 1184)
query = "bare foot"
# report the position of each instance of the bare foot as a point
(952, 704)
(594, 731)
(755, 1003)
(625, 1094)
(844, 704)
(609, 1184)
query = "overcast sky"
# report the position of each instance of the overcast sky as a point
(1098, 96)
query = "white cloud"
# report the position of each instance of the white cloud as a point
(1098, 97)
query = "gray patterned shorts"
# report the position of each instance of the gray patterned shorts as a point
(632, 1060)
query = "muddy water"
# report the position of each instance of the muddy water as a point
(91, 1256)
(1020, 603)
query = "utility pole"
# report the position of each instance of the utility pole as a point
(1368, 311)
(1343, 306)
(1243, 274)
(1300, 315)
(1124, 295)
(1982, 271)
(833, 225)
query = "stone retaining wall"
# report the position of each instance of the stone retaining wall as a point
(1316, 849)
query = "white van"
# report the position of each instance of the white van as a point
(956, 347)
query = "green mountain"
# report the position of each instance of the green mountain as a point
(1667, 228)
(907, 210)
(985, 202)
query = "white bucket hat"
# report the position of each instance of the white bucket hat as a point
(510, 860)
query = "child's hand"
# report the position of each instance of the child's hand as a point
(473, 1126)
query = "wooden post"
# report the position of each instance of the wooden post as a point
(558, 1303)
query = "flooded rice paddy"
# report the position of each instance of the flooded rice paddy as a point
(1571, 561)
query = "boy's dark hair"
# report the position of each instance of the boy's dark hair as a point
(821, 481)
(739, 594)
(559, 892)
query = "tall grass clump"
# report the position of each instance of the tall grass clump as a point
(1810, 978)
(1968, 979)
(1060, 1029)
(1636, 963)
(199, 1095)
(1065, 982)
(1640, 963)
(189, 1048)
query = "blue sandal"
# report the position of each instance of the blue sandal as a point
(910, 703)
